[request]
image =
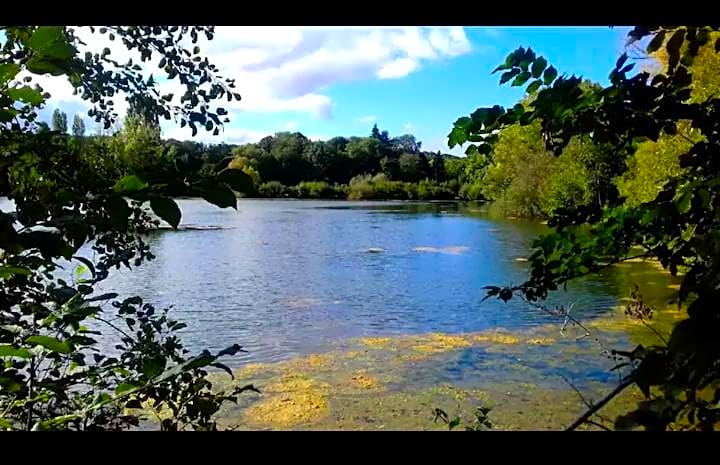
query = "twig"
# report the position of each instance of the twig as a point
(590, 422)
(113, 326)
(657, 333)
(587, 403)
(591, 411)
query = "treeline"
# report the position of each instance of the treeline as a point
(520, 177)
(287, 164)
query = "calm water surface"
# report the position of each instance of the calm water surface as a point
(286, 277)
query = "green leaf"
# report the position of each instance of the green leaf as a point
(26, 94)
(167, 209)
(463, 122)
(130, 183)
(534, 86)
(119, 211)
(44, 36)
(219, 195)
(238, 180)
(153, 367)
(6, 350)
(549, 75)
(124, 387)
(538, 67)
(453, 424)
(8, 71)
(41, 65)
(506, 76)
(196, 49)
(9, 271)
(521, 79)
(59, 50)
(50, 343)
(87, 263)
(683, 203)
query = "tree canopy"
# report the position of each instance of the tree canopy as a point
(677, 224)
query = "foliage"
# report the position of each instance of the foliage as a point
(78, 127)
(58, 371)
(481, 422)
(319, 190)
(59, 121)
(679, 226)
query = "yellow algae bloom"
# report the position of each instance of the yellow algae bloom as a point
(437, 342)
(376, 342)
(496, 338)
(251, 369)
(297, 400)
(542, 341)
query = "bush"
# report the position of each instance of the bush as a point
(273, 189)
(319, 190)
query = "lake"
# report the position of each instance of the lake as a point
(290, 277)
(354, 314)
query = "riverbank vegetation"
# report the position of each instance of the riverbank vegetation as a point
(581, 154)
(670, 117)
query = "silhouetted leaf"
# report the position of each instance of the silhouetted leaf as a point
(534, 86)
(538, 67)
(549, 75)
(219, 195)
(167, 209)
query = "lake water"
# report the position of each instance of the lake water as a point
(366, 315)
(286, 277)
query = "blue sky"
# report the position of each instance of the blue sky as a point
(326, 82)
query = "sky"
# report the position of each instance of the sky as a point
(339, 81)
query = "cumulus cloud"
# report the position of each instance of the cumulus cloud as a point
(289, 69)
(409, 127)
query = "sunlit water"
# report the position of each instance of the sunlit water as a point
(285, 278)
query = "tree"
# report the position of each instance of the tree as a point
(409, 167)
(437, 167)
(53, 376)
(390, 167)
(78, 127)
(678, 227)
(364, 153)
(405, 143)
(59, 121)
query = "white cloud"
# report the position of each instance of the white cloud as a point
(289, 69)
(229, 135)
(409, 127)
(291, 125)
(366, 119)
(397, 68)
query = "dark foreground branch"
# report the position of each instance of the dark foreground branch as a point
(595, 408)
